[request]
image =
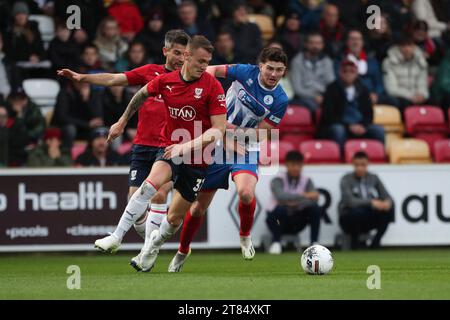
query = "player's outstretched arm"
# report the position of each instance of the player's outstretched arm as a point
(136, 102)
(218, 71)
(213, 134)
(99, 79)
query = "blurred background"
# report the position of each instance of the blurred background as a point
(397, 75)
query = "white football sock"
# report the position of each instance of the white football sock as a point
(135, 208)
(155, 216)
(166, 231)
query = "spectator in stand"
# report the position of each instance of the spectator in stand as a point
(109, 43)
(431, 48)
(24, 110)
(4, 136)
(351, 12)
(294, 203)
(98, 153)
(114, 101)
(13, 140)
(5, 87)
(23, 41)
(399, 14)
(369, 69)
(136, 57)
(190, 22)
(365, 203)
(49, 153)
(347, 109)
(127, 16)
(311, 72)
(289, 35)
(224, 53)
(332, 30)
(441, 85)
(152, 36)
(246, 35)
(380, 39)
(309, 12)
(260, 7)
(92, 12)
(90, 59)
(62, 51)
(77, 111)
(423, 10)
(406, 74)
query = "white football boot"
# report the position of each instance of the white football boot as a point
(109, 244)
(149, 255)
(176, 265)
(134, 262)
(248, 251)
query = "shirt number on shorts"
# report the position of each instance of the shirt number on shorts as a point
(198, 185)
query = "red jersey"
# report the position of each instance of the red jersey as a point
(189, 104)
(152, 114)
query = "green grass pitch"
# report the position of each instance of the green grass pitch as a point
(405, 274)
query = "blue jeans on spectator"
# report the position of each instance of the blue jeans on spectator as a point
(340, 133)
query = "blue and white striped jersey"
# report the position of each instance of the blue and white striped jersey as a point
(248, 102)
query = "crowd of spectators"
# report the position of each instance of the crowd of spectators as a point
(337, 64)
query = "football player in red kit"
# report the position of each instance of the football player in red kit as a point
(196, 112)
(147, 140)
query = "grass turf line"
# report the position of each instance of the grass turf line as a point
(405, 274)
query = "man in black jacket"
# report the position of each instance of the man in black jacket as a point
(246, 35)
(347, 109)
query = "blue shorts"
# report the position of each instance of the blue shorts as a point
(217, 174)
(142, 159)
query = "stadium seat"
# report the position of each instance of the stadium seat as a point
(373, 148)
(430, 139)
(442, 150)
(410, 151)
(268, 156)
(265, 24)
(78, 148)
(389, 117)
(43, 92)
(296, 139)
(320, 151)
(297, 120)
(389, 137)
(46, 27)
(125, 147)
(424, 119)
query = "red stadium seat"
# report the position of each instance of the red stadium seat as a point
(320, 151)
(442, 151)
(425, 119)
(125, 147)
(296, 139)
(273, 152)
(430, 139)
(77, 149)
(373, 148)
(297, 120)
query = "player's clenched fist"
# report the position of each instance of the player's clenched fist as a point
(115, 131)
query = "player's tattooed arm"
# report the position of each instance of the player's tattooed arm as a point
(135, 103)
(117, 128)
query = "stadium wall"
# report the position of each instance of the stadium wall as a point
(67, 209)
